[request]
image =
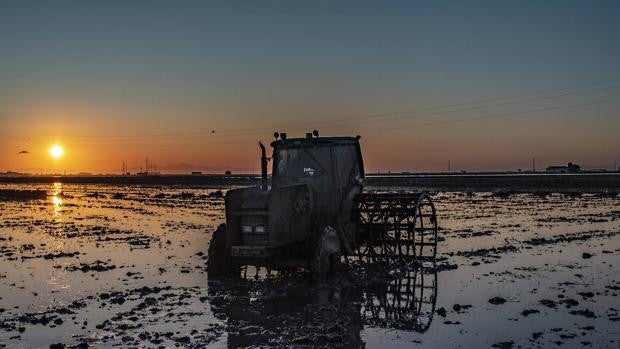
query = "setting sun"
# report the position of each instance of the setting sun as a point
(56, 151)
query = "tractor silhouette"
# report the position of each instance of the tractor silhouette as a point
(315, 214)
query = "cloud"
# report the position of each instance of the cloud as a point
(24, 152)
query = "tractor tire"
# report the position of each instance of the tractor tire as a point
(219, 260)
(327, 253)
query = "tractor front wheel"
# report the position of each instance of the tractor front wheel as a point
(219, 260)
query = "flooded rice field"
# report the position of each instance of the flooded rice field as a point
(111, 266)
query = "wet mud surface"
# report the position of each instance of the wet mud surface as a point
(111, 266)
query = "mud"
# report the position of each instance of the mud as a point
(21, 194)
(499, 184)
(112, 266)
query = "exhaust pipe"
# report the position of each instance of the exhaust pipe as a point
(263, 168)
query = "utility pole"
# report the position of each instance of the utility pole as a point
(533, 164)
(449, 166)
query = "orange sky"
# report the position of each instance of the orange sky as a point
(486, 86)
(96, 144)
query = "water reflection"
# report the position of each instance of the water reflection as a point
(57, 198)
(406, 302)
(294, 311)
(57, 201)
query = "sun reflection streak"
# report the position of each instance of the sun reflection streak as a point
(57, 197)
(57, 201)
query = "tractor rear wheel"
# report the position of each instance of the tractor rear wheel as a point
(395, 228)
(219, 260)
(327, 253)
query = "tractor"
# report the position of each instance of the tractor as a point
(315, 214)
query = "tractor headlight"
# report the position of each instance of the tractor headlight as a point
(246, 229)
(259, 229)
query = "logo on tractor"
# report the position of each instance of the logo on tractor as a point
(309, 171)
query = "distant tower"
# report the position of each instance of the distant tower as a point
(449, 166)
(533, 164)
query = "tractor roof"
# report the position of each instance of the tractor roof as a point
(324, 141)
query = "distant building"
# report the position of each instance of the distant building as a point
(569, 168)
(196, 173)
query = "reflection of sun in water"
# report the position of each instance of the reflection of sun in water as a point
(56, 151)
(58, 280)
(57, 199)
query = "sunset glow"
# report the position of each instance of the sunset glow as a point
(56, 151)
(429, 97)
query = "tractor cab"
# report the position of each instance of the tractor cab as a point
(331, 167)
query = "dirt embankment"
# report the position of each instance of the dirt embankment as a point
(587, 182)
(592, 183)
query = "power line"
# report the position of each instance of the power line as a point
(497, 116)
(158, 145)
(396, 114)
(132, 142)
(454, 104)
(401, 117)
(486, 100)
(415, 125)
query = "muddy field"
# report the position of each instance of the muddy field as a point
(113, 266)
(522, 182)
